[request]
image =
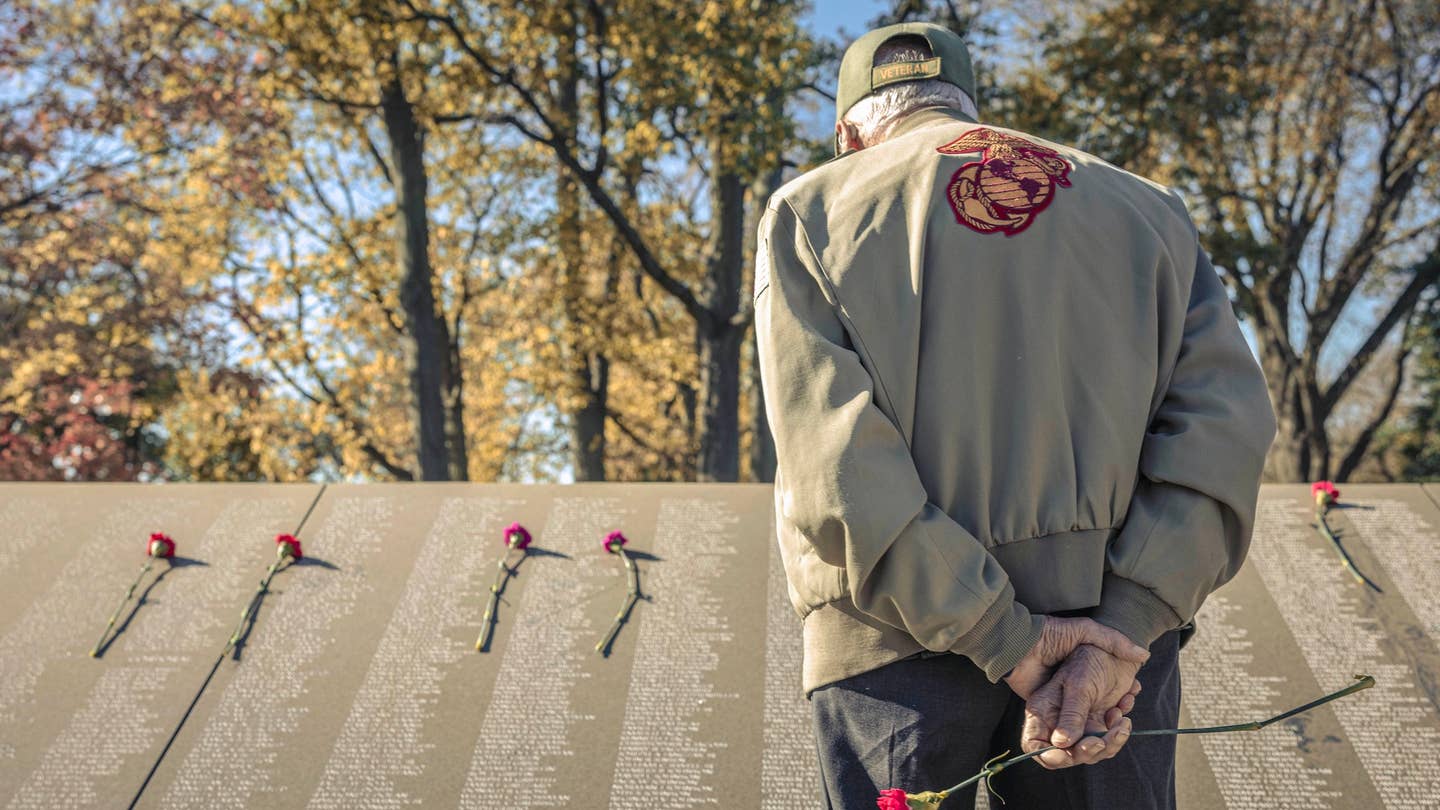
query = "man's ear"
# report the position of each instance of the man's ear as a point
(848, 135)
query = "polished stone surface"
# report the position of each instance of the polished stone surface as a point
(359, 686)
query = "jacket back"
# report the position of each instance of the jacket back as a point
(1020, 310)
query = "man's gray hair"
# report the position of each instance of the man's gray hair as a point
(874, 114)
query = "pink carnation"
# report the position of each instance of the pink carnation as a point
(288, 544)
(892, 799)
(516, 536)
(161, 546)
(1324, 493)
(613, 539)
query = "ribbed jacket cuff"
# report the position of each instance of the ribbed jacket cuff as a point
(1002, 637)
(1134, 610)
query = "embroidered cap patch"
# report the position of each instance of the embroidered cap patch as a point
(1012, 182)
(903, 72)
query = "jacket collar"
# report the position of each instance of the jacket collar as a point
(925, 117)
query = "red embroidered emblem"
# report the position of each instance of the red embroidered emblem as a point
(1012, 182)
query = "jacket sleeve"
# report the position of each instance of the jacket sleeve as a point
(848, 485)
(1189, 522)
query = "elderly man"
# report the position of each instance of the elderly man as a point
(1019, 435)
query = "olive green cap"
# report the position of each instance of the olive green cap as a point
(859, 77)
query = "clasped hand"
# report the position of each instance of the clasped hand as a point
(1079, 678)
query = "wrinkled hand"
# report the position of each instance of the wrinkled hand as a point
(1089, 693)
(1058, 639)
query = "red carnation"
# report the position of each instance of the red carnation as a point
(286, 545)
(613, 539)
(892, 799)
(161, 546)
(516, 536)
(1324, 493)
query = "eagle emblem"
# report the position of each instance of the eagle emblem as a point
(1012, 182)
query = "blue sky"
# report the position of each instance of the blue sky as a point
(829, 17)
(842, 21)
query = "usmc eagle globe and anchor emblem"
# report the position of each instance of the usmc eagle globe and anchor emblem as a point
(1012, 182)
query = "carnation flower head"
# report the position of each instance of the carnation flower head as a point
(897, 799)
(1324, 492)
(160, 546)
(287, 545)
(892, 799)
(614, 539)
(516, 536)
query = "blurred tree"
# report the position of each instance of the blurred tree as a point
(377, 296)
(353, 69)
(620, 90)
(221, 429)
(111, 139)
(1408, 448)
(1303, 132)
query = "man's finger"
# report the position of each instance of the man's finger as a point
(1127, 701)
(1055, 760)
(1115, 739)
(1070, 723)
(1040, 713)
(1114, 642)
(1113, 716)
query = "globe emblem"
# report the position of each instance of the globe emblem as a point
(1018, 185)
(1012, 182)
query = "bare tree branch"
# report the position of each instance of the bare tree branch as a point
(1426, 273)
(1362, 442)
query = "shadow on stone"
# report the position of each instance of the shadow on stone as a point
(174, 562)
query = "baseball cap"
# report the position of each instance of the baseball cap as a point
(859, 77)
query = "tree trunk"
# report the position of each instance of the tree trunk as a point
(720, 405)
(455, 438)
(1298, 454)
(589, 369)
(721, 334)
(428, 353)
(588, 422)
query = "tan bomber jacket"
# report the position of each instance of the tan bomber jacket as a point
(1004, 381)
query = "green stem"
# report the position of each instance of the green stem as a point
(245, 615)
(1361, 682)
(149, 563)
(1324, 528)
(631, 597)
(494, 603)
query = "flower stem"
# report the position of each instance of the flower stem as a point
(503, 574)
(991, 768)
(245, 615)
(1324, 528)
(149, 563)
(631, 597)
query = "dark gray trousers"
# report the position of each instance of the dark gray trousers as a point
(931, 721)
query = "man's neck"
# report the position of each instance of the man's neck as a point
(921, 116)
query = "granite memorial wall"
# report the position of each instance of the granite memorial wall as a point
(356, 682)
